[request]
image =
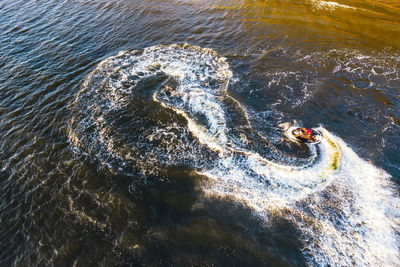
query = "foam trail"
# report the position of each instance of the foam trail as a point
(277, 184)
(357, 224)
(345, 207)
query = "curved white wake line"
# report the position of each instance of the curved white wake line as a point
(369, 210)
(344, 206)
(366, 220)
(284, 184)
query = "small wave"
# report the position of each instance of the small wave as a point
(329, 5)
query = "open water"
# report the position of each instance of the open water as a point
(152, 133)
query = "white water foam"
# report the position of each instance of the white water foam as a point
(345, 207)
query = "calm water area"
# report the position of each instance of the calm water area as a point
(154, 133)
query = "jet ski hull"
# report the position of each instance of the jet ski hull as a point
(293, 134)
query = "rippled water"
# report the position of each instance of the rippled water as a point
(154, 133)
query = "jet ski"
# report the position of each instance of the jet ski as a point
(305, 135)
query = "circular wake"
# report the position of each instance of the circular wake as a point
(143, 111)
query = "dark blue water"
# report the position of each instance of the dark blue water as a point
(153, 133)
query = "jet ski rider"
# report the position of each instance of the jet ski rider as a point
(305, 134)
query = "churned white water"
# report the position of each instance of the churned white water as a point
(345, 207)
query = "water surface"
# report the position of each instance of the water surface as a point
(153, 133)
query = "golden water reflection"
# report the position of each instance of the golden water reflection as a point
(356, 22)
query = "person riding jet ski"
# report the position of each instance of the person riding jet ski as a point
(306, 135)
